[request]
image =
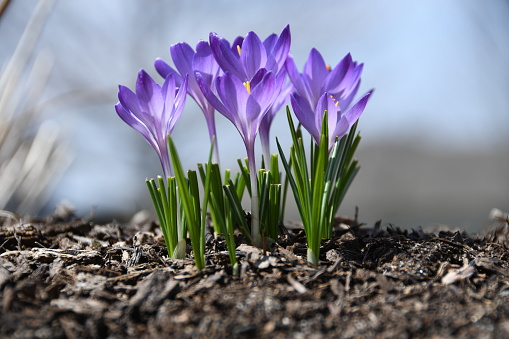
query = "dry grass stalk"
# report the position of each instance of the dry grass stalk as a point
(32, 155)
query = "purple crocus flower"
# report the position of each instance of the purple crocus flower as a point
(339, 122)
(342, 82)
(153, 111)
(189, 61)
(245, 104)
(321, 88)
(246, 56)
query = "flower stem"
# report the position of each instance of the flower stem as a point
(255, 214)
(211, 124)
(264, 138)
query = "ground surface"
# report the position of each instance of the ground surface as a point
(66, 277)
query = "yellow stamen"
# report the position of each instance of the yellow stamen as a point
(247, 85)
(238, 49)
(335, 101)
(326, 66)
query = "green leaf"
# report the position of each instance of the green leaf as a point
(236, 209)
(189, 196)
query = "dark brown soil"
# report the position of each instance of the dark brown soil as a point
(70, 278)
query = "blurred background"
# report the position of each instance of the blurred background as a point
(435, 146)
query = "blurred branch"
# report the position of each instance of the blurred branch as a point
(32, 155)
(3, 6)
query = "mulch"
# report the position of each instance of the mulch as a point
(66, 277)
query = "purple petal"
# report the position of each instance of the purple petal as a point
(280, 51)
(265, 92)
(225, 57)
(280, 100)
(253, 54)
(326, 103)
(182, 55)
(305, 114)
(149, 95)
(212, 99)
(204, 61)
(347, 97)
(164, 69)
(349, 118)
(129, 100)
(296, 78)
(233, 94)
(254, 115)
(356, 110)
(270, 42)
(177, 101)
(337, 75)
(341, 128)
(131, 120)
(258, 77)
(284, 95)
(168, 90)
(237, 43)
(315, 73)
(351, 84)
(136, 124)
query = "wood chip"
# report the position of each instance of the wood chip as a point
(454, 275)
(297, 286)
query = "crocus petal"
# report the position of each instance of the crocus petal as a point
(347, 96)
(282, 98)
(356, 110)
(305, 114)
(134, 122)
(174, 104)
(129, 101)
(296, 78)
(149, 95)
(270, 42)
(257, 78)
(326, 103)
(164, 69)
(214, 101)
(237, 43)
(182, 55)
(351, 84)
(280, 51)
(180, 97)
(204, 61)
(341, 128)
(254, 115)
(188, 61)
(265, 92)
(315, 74)
(253, 55)
(349, 118)
(337, 76)
(168, 91)
(225, 57)
(233, 94)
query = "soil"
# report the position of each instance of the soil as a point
(66, 277)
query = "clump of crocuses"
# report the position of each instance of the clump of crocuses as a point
(248, 81)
